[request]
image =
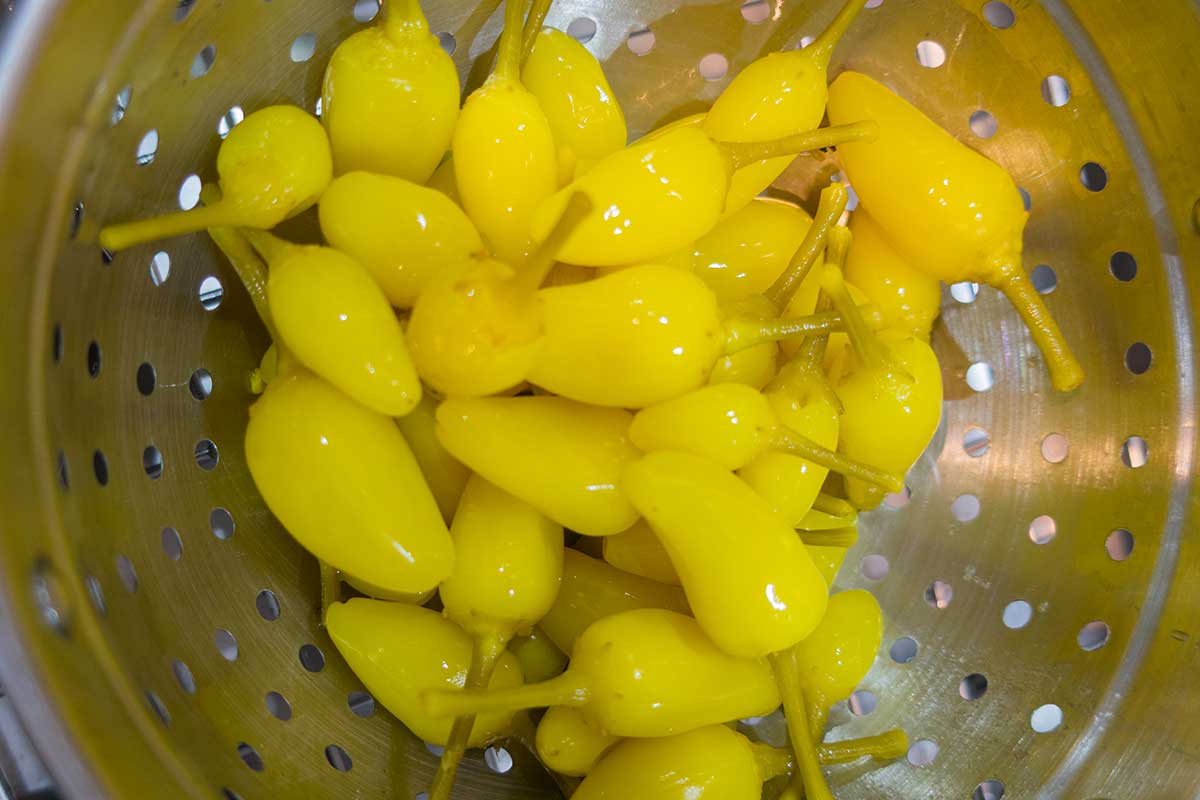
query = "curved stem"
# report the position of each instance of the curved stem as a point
(871, 353)
(508, 56)
(1065, 371)
(787, 676)
(837, 537)
(129, 234)
(784, 438)
(568, 689)
(829, 210)
(534, 273)
(822, 48)
(533, 26)
(269, 246)
(833, 506)
(484, 655)
(743, 154)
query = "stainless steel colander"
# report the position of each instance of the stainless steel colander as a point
(1040, 583)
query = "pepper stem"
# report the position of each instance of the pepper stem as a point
(743, 154)
(533, 26)
(838, 537)
(508, 57)
(486, 652)
(784, 438)
(401, 17)
(568, 689)
(808, 768)
(128, 234)
(742, 333)
(829, 210)
(534, 273)
(1065, 371)
(774, 762)
(331, 588)
(822, 48)
(245, 262)
(870, 352)
(834, 506)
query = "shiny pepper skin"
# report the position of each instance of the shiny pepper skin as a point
(344, 483)
(399, 650)
(383, 84)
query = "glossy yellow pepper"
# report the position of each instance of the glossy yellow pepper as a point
(639, 552)
(480, 331)
(334, 319)
(506, 575)
(399, 650)
(908, 299)
(505, 158)
(571, 88)
(272, 165)
(444, 181)
(445, 474)
(892, 399)
(835, 658)
(562, 457)
(748, 579)
(404, 234)
(661, 194)
(712, 763)
(730, 425)
(568, 744)
(629, 339)
(390, 97)
(772, 97)
(749, 249)
(956, 215)
(647, 672)
(540, 659)
(592, 590)
(342, 480)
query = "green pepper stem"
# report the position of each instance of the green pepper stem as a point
(742, 333)
(331, 588)
(787, 677)
(508, 55)
(533, 26)
(743, 154)
(128, 234)
(834, 506)
(485, 653)
(402, 17)
(884, 746)
(775, 762)
(838, 537)
(568, 689)
(1065, 371)
(829, 210)
(822, 48)
(784, 438)
(250, 269)
(534, 273)
(869, 350)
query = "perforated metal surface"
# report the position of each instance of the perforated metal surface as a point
(161, 627)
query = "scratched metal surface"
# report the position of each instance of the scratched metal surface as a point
(83, 668)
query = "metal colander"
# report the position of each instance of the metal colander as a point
(1041, 598)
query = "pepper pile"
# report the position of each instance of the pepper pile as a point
(522, 330)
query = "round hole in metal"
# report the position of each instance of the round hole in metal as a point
(862, 702)
(922, 753)
(1046, 718)
(311, 658)
(207, 455)
(127, 574)
(152, 462)
(278, 706)
(183, 676)
(989, 790)
(874, 567)
(172, 544)
(221, 523)
(964, 292)
(230, 120)
(158, 707)
(303, 47)
(1135, 452)
(973, 687)
(100, 467)
(999, 15)
(498, 760)
(147, 148)
(1093, 636)
(211, 293)
(160, 268)
(226, 644)
(338, 758)
(1056, 91)
(641, 42)
(582, 29)
(203, 61)
(250, 757)
(1123, 266)
(1138, 358)
(1055, 448)
(965, 507)
(930, 54)
(903, 650)
(976, 442)
(361, 704)
(980, 376)
(201, 384)
(939, 594)
(268, 605)
(1017, 614)
(1093, 177)
(94, 360)
(147, 378)
(1044, 279)
(984, 124)
(1043, 529)
(1119, 544)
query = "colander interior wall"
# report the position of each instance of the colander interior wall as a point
(162, 628)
